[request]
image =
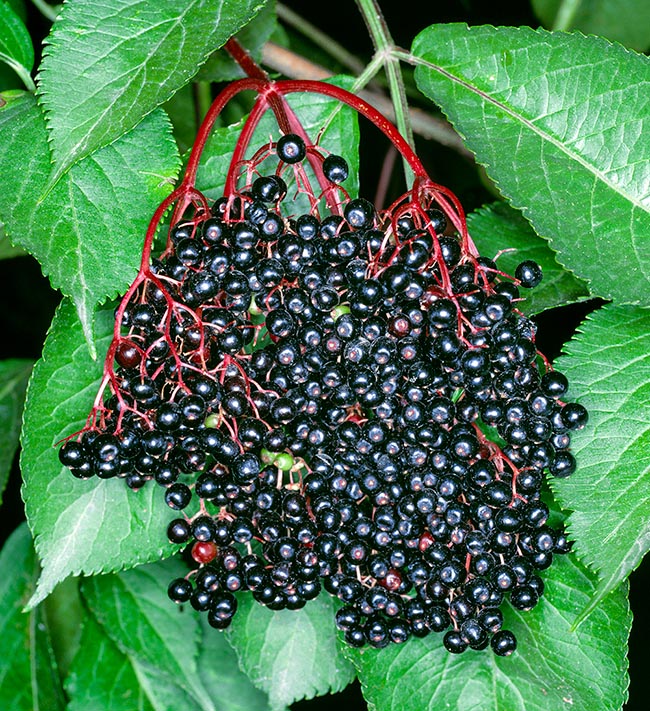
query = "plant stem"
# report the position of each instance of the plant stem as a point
(384, 47)
(430, 127)
(566, 14)
(320, 39)
(24, 75)
(49, 11)
(203, 99)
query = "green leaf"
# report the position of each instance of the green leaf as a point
(608, 367)
(102, 677)
(163, 693)
(14, 375)
(499, 227)
(79, 526)
(553, 667)
(624, 21)
(290, 654)
(16, 48)
(341, 136)
(9, 79)
(184, 122)
(88, 231)
(28, 675)
(221, 675)
(18, 6)
(65, 615)
(222, 67)
(135, 612)
(560, 122)
(109, 64)
(134, 654)
(7, 250)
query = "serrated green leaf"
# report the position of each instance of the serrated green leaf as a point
(102, 677)
(90, 526)
(222, 67)
(16, 48)
(500, 229)
(315, 111)
(624, 21)
(553, 667)
(14, 375)
(109, 64)
(28, 675)
(7, 250)
(135, 612)
(560, 122)
(290, 654)
(88, 231)
(608, 366)
(221, 675)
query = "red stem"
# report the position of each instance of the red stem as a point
(272, 94)
(248, 65)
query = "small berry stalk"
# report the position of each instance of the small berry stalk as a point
(345, 400)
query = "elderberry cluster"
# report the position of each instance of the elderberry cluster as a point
(350, 403)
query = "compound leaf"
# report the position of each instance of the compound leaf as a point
(560, 123)
(87, 232)
(14, 375)
(87, 526)
(499, 227)
(109, 64)
(608, 367)
(553, 667)
(290, 654)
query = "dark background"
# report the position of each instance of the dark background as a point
(29, 302)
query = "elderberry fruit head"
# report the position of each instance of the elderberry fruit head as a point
(311, 393)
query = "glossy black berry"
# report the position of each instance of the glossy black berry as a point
(454, 642)
(528, 273)
(503, 643)
(335, 168)
(291, 148)
(178, 531)
(179, 590)
(178, 496)
(269, 188)
(72, 454)
(574, 416)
